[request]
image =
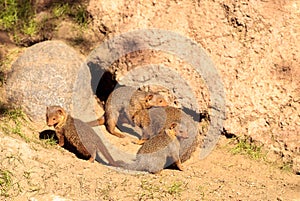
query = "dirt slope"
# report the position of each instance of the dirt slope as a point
(40, 173)
(255, 48)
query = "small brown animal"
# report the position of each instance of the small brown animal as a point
(77, 133)
(158, 152)
(123, 103)
(156, 118)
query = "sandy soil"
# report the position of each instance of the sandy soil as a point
(255, 47)
(49, 173)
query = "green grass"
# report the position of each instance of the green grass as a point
(12, 121)
(18, 17)
(14, 13)
(103, 191)
(14, 114)
(151, 190)
(7, 60)
(245, 147)
(148, 190)
(175, 189)
(13, 158)
(9, 14)
(34, 187)
(10, 180)
(76, 12)
(81, 16)
(287, 167)
(201, 189)
(6, 182)
(30, 28)
(50, 142)
(61, 9)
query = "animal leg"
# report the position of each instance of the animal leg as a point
(111, 126)
(179, 165)
(61, 138)
(140, 142)
(144, 138)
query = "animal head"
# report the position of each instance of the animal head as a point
(55, 115)
(181, 130)
(153, 99)
(175, 130)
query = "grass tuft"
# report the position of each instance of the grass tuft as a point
(8, 14)
(81, 16)
(175, 188)
(5, 182)
(245, 147)
(61, 9)
(14, 13)
(148, 190)
(21, 20)
(12, 121)
(78, 13)
(30, 28)
(288, 167)
(50, 141)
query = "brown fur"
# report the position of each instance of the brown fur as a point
(153, 122)
(154, 119)
(159, 152)
(77, 133)
(123, 103)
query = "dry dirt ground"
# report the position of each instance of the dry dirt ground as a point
(47, 172)
(255, 47)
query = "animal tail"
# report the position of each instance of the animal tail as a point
(97, 122)
(100, 120)
(125, 165)
(102, 148)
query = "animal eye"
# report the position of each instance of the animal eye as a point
(53, 119)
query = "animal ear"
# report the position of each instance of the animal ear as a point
(60, 112)
(173, 125)
(149, 97)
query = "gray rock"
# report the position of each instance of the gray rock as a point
(50, 73)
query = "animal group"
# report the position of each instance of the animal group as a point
(165, 130)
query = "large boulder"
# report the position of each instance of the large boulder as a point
(50, 73)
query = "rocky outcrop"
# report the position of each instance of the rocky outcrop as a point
(50, 73)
